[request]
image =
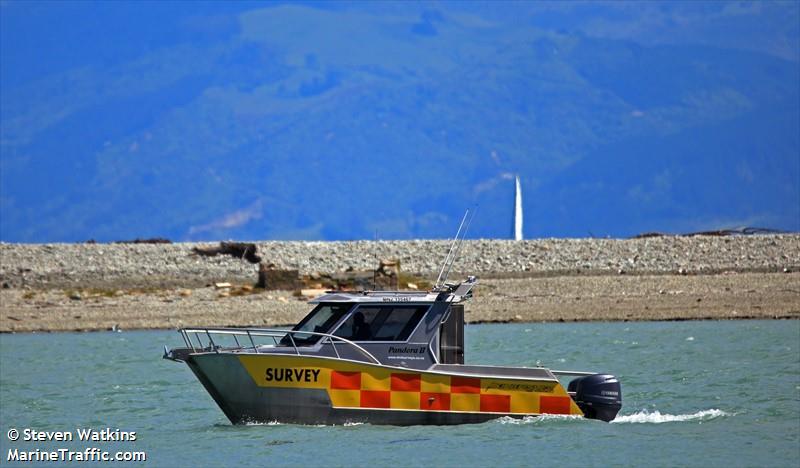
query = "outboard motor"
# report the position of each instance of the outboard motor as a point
(599, 396)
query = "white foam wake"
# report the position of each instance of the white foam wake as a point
(542, 418)
(642, 417)
(261, 423)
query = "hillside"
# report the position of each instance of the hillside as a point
(346, 121)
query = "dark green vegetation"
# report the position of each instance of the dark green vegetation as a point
(337, 121)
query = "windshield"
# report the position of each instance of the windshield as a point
(320, 320)
(381, 322)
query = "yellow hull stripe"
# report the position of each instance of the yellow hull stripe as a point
(351, 384)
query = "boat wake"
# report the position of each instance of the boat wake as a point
(644, 417)
(640, 417)
(258, 423)
(541, 419)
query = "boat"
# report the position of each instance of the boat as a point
(383, 358)
(380, 357)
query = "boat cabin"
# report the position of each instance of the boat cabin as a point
(399, 328)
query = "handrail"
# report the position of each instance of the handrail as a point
(268, 332)
(571, 373)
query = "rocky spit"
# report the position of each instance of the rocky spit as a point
(47, 287)
(176, 265)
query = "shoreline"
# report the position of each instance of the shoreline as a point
(602, 298)
(95, 287)
(482, 322)
(178, 265)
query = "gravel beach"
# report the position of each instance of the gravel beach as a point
(59, 287)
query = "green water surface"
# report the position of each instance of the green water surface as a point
(694, 394)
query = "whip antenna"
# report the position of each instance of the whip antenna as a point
(455, 247)
(460, 243)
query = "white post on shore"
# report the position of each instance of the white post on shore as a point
(518, 211)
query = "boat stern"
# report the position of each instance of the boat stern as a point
(599, 396)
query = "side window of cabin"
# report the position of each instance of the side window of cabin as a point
(381, 323)
(319, 320)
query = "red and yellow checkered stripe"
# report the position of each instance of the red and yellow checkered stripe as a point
(385, 389)
(353, 385)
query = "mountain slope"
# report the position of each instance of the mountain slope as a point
(301, 122)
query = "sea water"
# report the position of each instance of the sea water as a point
(714, 393)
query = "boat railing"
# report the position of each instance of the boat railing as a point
(252, 335)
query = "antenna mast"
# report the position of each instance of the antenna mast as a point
(452, 254)
(375, 270)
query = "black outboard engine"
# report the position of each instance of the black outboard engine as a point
(599, 396)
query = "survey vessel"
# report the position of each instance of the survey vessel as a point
(381, 357)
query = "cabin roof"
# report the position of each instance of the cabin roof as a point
(376, 296)
(450, 292)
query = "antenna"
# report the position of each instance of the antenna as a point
(458, 247)
(455, 247)
(375, 270)
(450, 251)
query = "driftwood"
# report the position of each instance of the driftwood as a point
(270, 277)
(387, 275)
(243, 250)
(746, 231)
(152, 240)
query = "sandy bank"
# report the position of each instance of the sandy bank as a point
(564, 298)
(59, 287)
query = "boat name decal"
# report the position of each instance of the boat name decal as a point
(396, 299)
(289, 374)
(524, 387)
(407, 350)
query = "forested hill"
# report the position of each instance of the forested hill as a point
(346, 120)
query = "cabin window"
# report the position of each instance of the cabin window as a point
(319, 320)
(381, 323)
